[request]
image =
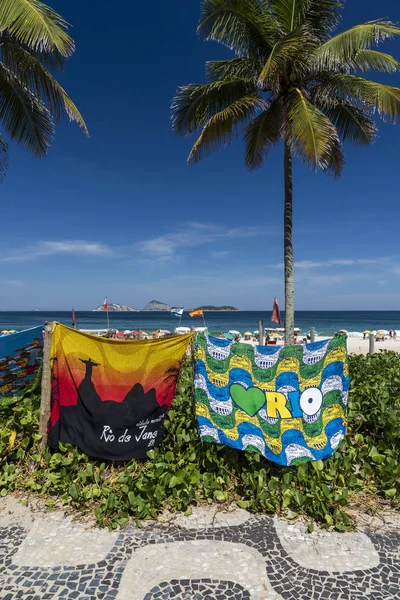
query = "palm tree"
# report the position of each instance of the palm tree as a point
(290, 80)
(33, 39)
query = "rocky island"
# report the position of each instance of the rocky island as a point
(155, 305)
(113, 307)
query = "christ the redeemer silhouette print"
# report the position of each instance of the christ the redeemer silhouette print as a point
(134, 407)
(89, 367)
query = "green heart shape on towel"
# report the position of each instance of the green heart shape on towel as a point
(250, 400)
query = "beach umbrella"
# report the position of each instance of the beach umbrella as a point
(127, 331)
(367, 331)
(234, 332)
(255, 332)
(119, 334)
(343, 331)
(247, 333)
(135, 331)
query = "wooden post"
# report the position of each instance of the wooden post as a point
(261, 333)
(371, 343)
(46, 387)
(312, 334)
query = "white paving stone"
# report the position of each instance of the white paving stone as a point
(198, 559)
(326, 551)
(54, 540)
(204, 516)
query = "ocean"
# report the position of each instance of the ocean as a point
(325, 322)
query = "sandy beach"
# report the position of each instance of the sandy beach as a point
(354, 345)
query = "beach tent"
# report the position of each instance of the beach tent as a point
(182, 330)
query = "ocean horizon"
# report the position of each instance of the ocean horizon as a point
(325, 322)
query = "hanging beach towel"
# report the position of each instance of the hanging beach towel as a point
(110, 397)
(20, 356)
(286, 403)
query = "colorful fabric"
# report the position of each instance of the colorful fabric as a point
(276, 313)
(286, 403)
(196, 312)
(110, 396)
(20, 355)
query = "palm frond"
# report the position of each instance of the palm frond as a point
(376, 96)
(290, 13)
(24, 117)
(344, 46)
(293, 47)
(241, 67)
(219, 128)
(193, 105)
(36, 25)
(35, 77)
(367, 60)
(241, 25)
(335, 159)
(311, 133)
(352, 123)
(323, 16)
(3, 158)
(261, 134)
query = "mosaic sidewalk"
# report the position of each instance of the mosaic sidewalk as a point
(213, 556)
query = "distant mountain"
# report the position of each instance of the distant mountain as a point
(155, 305)
(211, 308)
(113, 307)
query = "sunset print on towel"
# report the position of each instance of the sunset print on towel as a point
(110, 397)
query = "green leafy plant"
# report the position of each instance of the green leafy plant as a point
(182, 471)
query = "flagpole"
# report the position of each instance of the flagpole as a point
(204, 321)
(108, 318)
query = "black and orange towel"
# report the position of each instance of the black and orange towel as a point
(110, 397)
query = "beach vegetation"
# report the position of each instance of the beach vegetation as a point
(364, 473)
(34, 42)
(292, 79)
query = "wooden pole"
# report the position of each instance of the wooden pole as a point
(261, 333)
(45, 397)
(371, 343)
(312, 334)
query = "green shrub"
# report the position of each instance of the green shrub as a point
(183, 471)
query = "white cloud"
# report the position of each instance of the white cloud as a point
(339, 262)
(49, 248)
(166, 246)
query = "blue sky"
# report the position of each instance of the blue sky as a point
(121, 214)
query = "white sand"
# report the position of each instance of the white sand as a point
(354, 345)
(357, 346)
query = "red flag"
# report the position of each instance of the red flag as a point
(276, 313)
(73, 319)
(105, 304)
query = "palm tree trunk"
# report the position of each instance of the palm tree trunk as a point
(288, 245)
